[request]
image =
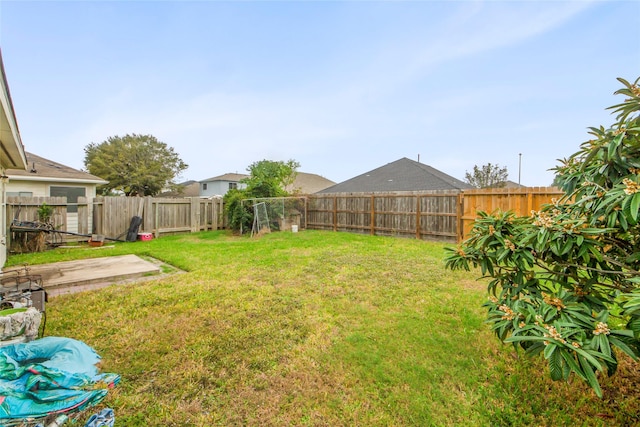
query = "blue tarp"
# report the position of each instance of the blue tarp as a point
(49, 376)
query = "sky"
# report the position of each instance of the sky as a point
(342, 87)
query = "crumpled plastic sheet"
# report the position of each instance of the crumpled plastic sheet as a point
(52, 375)
(104, 418)
(20, 322)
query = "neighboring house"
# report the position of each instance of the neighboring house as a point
(305, 183)
(506, 184)
(401, 175)
(46, 178)
(308, 183)
(219, 185)
(12, 155)
(187, 189)
(511, 184)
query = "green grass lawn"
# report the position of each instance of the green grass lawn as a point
(315, 328)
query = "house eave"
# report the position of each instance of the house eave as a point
(12, 155)
(52, 179)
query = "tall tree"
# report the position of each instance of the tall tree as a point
(134, 164)
(270, 178)
(487, 176)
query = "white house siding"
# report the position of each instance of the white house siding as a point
(37, 189)
(217, 188)
(42, 189)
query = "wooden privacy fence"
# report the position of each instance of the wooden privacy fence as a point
(112, 215)
(432, 215)
(26, 209)
(519, 200)
(436, 215)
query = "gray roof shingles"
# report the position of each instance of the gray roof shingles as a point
(232, 177)
(402, 175)
(39, 167)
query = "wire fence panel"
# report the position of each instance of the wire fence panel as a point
(283, 212)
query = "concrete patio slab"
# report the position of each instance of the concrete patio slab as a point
(74, 276)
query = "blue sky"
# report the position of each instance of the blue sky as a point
(342, 87)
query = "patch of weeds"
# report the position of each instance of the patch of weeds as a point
(167, 269)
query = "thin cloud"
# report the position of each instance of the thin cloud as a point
(473, 29)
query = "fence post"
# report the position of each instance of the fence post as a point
(335, 213)
(147, 217)
(373, 215)
(205, 211)
(156, 213)
(7, 225)
(195, 214)
(96, 226)
(103, 215)
(217, 210)
(459, 214)
(418, 219)
(83, 215)
(306, 207)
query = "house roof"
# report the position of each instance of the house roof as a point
(512, 184)
(189, 189)
(232, 177)
(309, 183)
(402, 175)
(12, 153)
(305, 183)
(41, 169)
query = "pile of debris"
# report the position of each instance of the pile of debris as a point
(44, 381)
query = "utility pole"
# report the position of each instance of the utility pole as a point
(519, 167)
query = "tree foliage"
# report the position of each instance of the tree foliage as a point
(267, 178)
(270, 178)
(134, 164)
(565, 282)
(487, 176)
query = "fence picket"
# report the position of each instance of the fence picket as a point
(436, 215)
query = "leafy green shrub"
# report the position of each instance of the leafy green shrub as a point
(565, 281)
(45, 212)
(238, 216)
(267, 178)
